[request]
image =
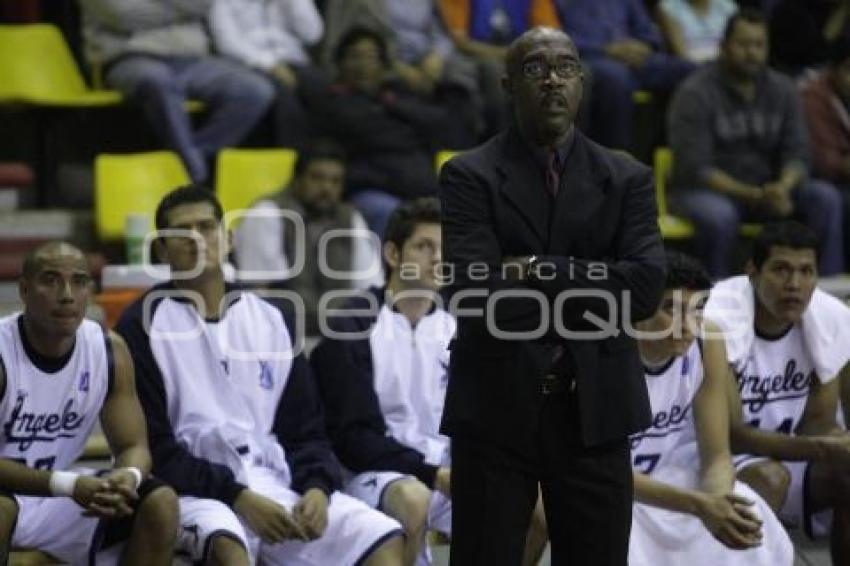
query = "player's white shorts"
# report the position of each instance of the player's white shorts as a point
(370, 488)
(354, 530)
(666, 538)
(796, 510)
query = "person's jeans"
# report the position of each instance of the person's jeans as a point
(612, 108)
(236, 98)
(818, 204)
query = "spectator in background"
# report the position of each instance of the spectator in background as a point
(157, 53)
(826, 96)
(424, 57)
(803, 30)
(387, 131)
(621, 45)
(485, 27)
(739, 140)
(694, 28)
(268, 243)
(272, 36)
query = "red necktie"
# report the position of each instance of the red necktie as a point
(553, 173)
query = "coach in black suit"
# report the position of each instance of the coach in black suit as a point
(540, 209)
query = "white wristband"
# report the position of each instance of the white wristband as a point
(62, 483)
(137, 473)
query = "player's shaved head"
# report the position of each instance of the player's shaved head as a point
(38, 256)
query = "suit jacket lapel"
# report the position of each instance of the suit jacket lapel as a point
(524, 184)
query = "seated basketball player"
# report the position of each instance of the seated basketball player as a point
(792, 342)
(691, 510)
(59, 373)
(233, 416)
(383, 393)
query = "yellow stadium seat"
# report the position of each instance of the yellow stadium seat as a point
(641, 97)
(131, 183)
(244, 175)
(37, 67)
(672, 227)
(443, 156)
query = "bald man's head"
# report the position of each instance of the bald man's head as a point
(543, 83)
(35, 259)
(520, 45)
(55, 288)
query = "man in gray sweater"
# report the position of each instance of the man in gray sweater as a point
(157, 53)
(740, 145)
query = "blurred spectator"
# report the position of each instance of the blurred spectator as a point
(272, 36)
(621, 45)
(425, 57)
(387, 130)
(802, 30)
(486, 27)
(737, 131)
(826, 96)
(694, 28)
(267, 242)
(157, 53)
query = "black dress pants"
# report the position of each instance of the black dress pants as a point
(587, 495)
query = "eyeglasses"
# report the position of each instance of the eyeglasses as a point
(537, 69)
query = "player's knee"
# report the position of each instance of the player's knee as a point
(159, 513)
(770, 479)
(8, 514)
(227, 551)
(389, 553)
(408, 501)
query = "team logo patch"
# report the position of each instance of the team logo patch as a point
(266, 378)
(84, 381)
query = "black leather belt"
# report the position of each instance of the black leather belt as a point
(551, 384)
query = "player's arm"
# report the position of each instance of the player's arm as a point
(123, 425)
(121, 417)
(821, 407)
(776, 445)
(711, 416)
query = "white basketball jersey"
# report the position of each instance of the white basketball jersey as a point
(410, 374)
(774, 381)
(47, 416)
(671, 394)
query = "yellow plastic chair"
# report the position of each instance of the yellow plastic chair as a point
(244, 175)
(672, 227)
(133, 183)
(642, 97)
(37, 67)
(443, 156)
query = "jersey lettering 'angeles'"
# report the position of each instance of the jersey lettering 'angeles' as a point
(775, 381)
(24, 428)
(671, 389)
(48, 415)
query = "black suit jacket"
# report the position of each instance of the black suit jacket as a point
(600, 233)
